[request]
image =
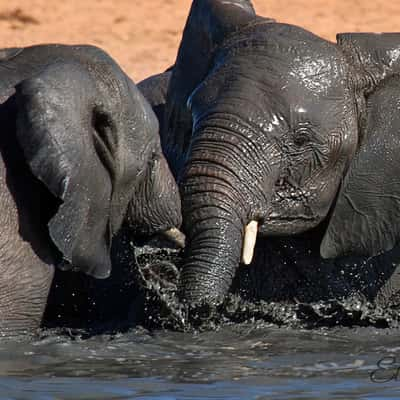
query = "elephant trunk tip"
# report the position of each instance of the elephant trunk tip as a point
(197, 298)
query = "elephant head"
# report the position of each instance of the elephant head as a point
(265, 122)
(91, 138)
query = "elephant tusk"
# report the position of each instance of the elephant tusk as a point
(175, 236)
(249, 242)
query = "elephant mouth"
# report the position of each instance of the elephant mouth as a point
(273, 227)
(287, 190)
(288, 225)
(290, 212)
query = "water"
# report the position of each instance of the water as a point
(243, 361)
(240, 360)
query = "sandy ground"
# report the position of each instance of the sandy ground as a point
(143, 35)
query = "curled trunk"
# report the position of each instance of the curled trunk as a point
(156, 206)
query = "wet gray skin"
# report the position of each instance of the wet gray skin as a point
(80, 156)
(267, 122)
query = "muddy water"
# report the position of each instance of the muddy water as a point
(235, 362)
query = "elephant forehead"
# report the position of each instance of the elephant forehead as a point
(294, 57)
(318, 75)
(312, 74)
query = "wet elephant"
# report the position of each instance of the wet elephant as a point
(274, 132)
(80, 157)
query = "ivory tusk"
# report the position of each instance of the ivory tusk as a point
(175, 236)
(249, 242)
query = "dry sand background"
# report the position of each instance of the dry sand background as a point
(143, 35)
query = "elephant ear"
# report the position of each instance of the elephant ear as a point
(59, 128)
(209, 22)
(154, 89)
(365, 219)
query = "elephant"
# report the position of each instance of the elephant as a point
(154, 89)
(284, 148)
(80, 159)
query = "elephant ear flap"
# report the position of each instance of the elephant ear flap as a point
(366, 218)
(56, 131)
(375, 56)
(209, 22)
(155, 87)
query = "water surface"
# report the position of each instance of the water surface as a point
(235, 362)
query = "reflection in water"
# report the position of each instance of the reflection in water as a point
(241, 361)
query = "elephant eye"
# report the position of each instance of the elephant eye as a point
(302, 135)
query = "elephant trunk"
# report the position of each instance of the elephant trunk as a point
(156, 205)
(226, 185)
(214, 242)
